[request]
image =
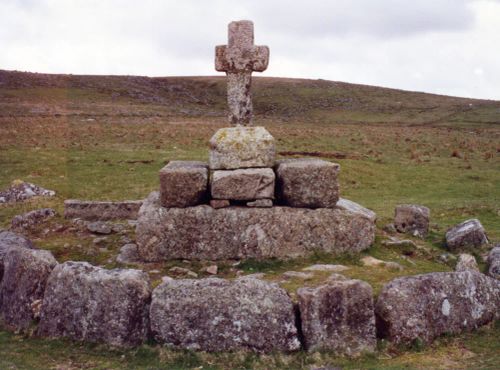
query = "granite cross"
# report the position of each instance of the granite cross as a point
(239, 58)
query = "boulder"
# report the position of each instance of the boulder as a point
(220, 315)
(354, 207)
(423, 307)
(243, 184)
(466, 262)
(338, 316)
(241, 147)
(99, 227)
(103, 211)
(240, 232)
(183, 183)
(493, 263)
(8, 240)
(469, 233)
(25, 275)
(305, 182)
(31, 219)
(412, 219)
(93, 304)
(20, 190)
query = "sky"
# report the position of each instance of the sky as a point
(447, 47)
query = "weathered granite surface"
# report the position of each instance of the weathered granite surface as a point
(354, 207)
(241, 232)
(104, 211)
(412, 219)
(243, 184)
(238, 59)
(25, 275)
(469, 233)
(493, 263)
(307, 182)
(20, 191)
(423, 307)
(93, 304)
(220, 315)
(338, 316)
(466, 262)
(241, 147)
(183, 183)
(8, 240)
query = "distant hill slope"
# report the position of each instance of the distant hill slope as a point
(26, 94)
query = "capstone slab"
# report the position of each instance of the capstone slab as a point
(242, 232)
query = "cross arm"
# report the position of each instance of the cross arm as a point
(255, 59)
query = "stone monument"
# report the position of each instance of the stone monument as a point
(243, 203)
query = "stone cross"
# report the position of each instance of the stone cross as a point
(239, 58)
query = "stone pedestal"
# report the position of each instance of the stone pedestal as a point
(241, 147)
(203, 232)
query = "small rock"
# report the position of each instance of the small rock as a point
(466, 262)
(261, 203)
(335, 276)
(125, 239)
(31, 219)
(446, 257)
(373, 262)
(468, 233)
(179, 271)
(118, 228)
(494, 262)
(99, 227)
(128, 254)
(100, 240)
(257, 275)
(298, 275)
(20, 190)
(166, 279)
(390, 228)
(36, 306)
(212, 270)
(332, 268)
(219, 203)
(412, 219)
(399, 243)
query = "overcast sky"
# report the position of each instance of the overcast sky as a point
(443, 46)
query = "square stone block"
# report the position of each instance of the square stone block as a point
(241, 147)
(412, 219)
(307, 182)
(183, 183)
(247, 184)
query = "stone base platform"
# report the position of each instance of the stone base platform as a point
(203, 232)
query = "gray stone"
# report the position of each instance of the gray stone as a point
(261, 203)
(338, 316)
(493, 263)
(423, 307)
(31, 219)
(241, 147)
(220, 315)
(219, 203)
(103, 211)
(239, 58)
(99, 227)
(243, 184)
(8, 240)
(20, 190)
(241, 232)
(469, 233)
(327, 268)
(181, 271)
(25, 275)
(128, 254)
(92, 304)
(398, 243)
(354, 207)
(374, 262)
(298, 275)
(307, 182)
(183, 183)
(466, 262)
(412, 219)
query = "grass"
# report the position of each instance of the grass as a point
(106, 138)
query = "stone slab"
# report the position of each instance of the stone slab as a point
(89, 303)
(241, 147)
(220, 315)
(307, 182)
(338, 316)
(243, 184)
(183, 183)
(101, 211)
(423, 307)
(241, 232)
